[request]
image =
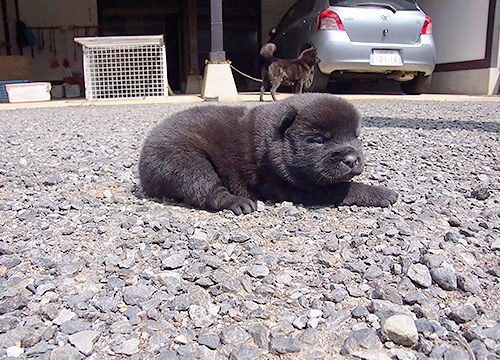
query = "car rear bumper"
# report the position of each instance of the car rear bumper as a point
(338, 53)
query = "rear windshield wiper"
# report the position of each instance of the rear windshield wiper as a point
(385, 6)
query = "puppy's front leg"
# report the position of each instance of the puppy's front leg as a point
(346, 193)
(367, 195)
(203, 188)
(221, 199)
(188, 176)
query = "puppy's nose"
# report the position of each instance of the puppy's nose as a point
(350, 160)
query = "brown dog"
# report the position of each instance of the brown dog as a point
(290, 72)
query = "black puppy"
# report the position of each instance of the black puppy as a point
(303, 149)
(289, 72)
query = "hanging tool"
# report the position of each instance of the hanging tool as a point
(39, 33)
(75, 45)
(65, 43)
(53, 63)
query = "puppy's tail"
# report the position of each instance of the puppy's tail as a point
(267, 52)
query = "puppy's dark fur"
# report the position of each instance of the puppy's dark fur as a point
(282, 71)
(303, 149)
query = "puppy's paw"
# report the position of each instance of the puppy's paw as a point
(382, 196)
(366, 195)
(241, 205)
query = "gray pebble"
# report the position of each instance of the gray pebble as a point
(211, 341)
(135, 295)
(493, 332)
(67, 352)
(414, 297)
(127, 347)
(64, 315)
(481, 193)
(167, 355)
(5, 249)
(284, 345)
(495, 271)
(39, 349)
(74, 326)
(258, 271)
(84, 341)
(401, 330)
(200, 316)
(234, 335)
(259, 335)
(469, 283)
(364, 339)
(359, 312)
(463, 313)
(445, 278)
(10, 261)
(245, 352)
(173, 261)
(420, 275)
(336, 295)
(479, 349)
(337, 318)
(455, 353)
(8, 323)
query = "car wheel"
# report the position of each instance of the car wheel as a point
(316, 81)
(418, 85)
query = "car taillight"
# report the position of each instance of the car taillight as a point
(329, 20)
(427, 28)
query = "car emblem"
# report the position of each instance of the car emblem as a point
(386, 17)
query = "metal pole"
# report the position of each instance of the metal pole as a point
(217, 54)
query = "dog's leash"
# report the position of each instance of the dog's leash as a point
(246, 75)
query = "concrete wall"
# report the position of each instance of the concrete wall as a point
(467, 82)
(459, 29)
(63, 14)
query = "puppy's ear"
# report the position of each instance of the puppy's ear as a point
(286, 121)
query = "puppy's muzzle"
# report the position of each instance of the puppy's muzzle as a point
(354, 162)
(351, 160)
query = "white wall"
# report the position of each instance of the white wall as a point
(54, 13)
(459, 28)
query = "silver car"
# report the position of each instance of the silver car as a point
(370, 39)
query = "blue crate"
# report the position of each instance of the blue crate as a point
(4, 96)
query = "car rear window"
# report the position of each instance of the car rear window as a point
(395, 4)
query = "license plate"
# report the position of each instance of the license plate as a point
(386, 57)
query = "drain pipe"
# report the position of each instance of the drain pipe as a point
(6, 27)
(217, 34)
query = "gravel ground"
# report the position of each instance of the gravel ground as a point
(90, 268)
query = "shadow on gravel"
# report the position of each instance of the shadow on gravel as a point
(431, 124)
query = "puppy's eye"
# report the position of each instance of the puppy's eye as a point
(316, 140)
